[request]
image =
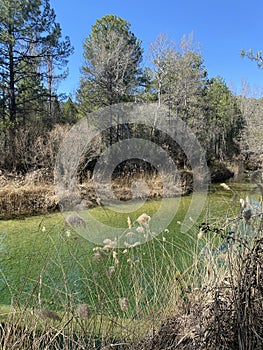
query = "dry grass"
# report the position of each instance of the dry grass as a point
(34, 194)
(26, 195)
(142, 185)
(226, 315)
(26, 200)
(78, 328)
(224, 308)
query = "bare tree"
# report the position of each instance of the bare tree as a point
(162, 52)
(178, 74)
(252, 109)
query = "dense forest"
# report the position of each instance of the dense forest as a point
(34, 117)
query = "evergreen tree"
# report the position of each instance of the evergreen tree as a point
(32, 56)
(112, 71)
(257, 57)
(70, 112)
(30, 43)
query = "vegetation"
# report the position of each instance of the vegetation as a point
(112, 72)
(32, 53)
(31, 68)
(201, 289)
(76, 294)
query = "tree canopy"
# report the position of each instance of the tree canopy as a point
(112, 71)
(32, 56)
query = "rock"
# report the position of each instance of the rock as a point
(74, 220)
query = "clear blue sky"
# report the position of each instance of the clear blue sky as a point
(222, 27)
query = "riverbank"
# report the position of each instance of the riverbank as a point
(34, 193)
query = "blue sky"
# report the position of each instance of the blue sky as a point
(222, 27)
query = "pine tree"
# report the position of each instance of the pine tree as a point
(112, 71)
(31, 49)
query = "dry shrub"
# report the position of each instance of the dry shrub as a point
(26, 200)
(46, 147)
(32, 148)
(206, 322)
(227, 316)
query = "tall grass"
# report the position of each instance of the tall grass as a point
(199, 290)
(224, 307)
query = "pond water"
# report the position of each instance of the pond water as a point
(46, 263)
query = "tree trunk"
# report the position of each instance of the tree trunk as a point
(12, 103)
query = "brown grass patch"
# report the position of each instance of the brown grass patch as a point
(35, 194)
(26, 200)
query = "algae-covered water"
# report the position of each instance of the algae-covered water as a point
(46, 263)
